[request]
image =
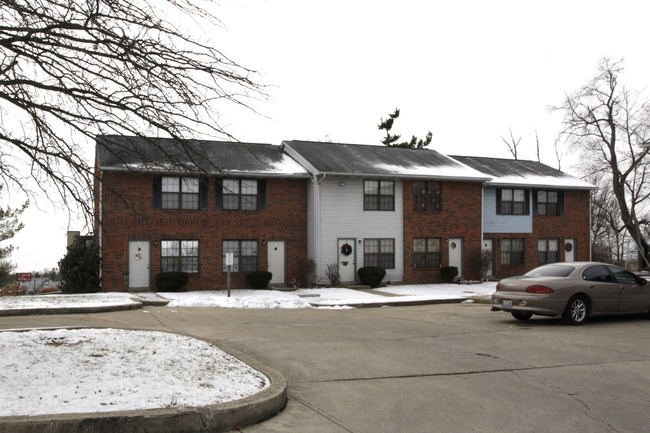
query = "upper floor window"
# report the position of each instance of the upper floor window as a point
(379, 252)
(426, 253)
(175, 192)
(547, 251)
(180, 256)
(180, 192)
(378, 195)
(512, 202)
(244, 255)
(427, 196)
(512, 251)
(549, 202)
(240, 194)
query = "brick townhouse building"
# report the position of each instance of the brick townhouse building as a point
(163, 205)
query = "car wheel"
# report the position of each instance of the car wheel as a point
(521, 316)
(577, 311)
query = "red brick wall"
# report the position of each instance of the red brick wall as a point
(128, 214)
(460, 217)
(573, 224)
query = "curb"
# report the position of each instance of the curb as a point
(393, 303)
(72, 310)
(213, 418)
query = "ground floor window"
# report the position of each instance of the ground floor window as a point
(180, 256)
(379, 252)
(426, 253)
(512, 251)
(244, 255)
(547, 251)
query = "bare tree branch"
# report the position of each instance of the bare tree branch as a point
(74, 69)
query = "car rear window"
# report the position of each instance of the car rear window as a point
(550, 271)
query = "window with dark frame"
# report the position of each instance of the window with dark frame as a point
(547, 251)
(513, 202)
(379, 252)
(244, 255)
(379, 195)
(548, 203)
(426, 253)
(180, 192)
(427, 196)
(240, 194)
(179, 255)
(512, 251)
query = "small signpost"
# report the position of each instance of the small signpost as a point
(230, 260)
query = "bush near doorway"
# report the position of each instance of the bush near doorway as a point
(371, 275)
(171, 281)
(259, 279)
(448, 274)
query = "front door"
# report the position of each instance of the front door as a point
(347, 263)
(276, 256)
(569, 250)
(456, 254)
(138, 265)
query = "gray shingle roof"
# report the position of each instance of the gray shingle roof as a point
(357, 160)
(522, 173)
(162, 154)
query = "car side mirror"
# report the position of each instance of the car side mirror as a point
(642, 281)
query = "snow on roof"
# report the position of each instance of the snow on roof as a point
(517, 172)
(167, 155)
(358, 160)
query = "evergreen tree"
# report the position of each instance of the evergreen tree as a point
(79, 268)
(391, 139)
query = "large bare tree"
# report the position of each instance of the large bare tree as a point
(74, 69)
(607, 124)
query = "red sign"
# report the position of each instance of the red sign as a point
(24, 276)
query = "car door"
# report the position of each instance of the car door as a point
(634, 291)
(602, 289)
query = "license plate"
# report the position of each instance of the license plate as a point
(507, 303)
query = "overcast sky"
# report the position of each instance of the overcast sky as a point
(467, 71)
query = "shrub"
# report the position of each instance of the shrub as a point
(306, 268)
(171, 281)
(333, 275)
(448, 273)
(14, 289)
(79, 268)
(371, 275)
(259, 279)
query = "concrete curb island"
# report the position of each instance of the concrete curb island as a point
(213, 418)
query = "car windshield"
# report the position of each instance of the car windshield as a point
(550, 271)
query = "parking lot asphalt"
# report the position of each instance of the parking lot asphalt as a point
(430, 368)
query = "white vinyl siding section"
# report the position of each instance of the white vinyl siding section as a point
(342, 217)
(493, 223)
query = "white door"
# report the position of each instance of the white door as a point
(487, 255)
(276, 259)
(456, 254)
(138, 264)
(347, 263)
(569, 250)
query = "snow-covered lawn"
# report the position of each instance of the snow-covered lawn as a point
(98, 370)
(301, 298)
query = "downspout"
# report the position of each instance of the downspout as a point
(317, 223)
(100, 225)
(590, 222)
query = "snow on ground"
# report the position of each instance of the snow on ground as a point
(301, 298)
(63, 301)
(99, 370)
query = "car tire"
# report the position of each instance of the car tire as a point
(521, 315)
(577, 310)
